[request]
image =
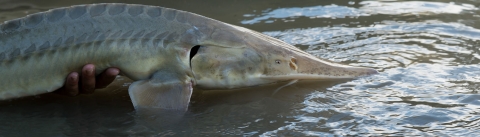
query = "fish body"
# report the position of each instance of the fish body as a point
(165, 51)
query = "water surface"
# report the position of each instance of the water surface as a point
(427, 53)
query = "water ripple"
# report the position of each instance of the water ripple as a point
(368, 8)
(426, 52)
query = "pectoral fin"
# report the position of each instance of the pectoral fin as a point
(173, 95)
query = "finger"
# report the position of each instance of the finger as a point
(106, 78)
(71, 85)
(88, 79)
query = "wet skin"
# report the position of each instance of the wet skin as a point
(160, 81)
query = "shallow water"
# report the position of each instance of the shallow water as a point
(427, 53)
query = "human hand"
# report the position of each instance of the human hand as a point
(87, 83)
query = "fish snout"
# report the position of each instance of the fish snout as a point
(314, 68)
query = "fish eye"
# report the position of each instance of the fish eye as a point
(277, 61)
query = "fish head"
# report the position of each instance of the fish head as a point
(241, 58)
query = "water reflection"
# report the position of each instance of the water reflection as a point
(427, 53)
(413, 7)
(367, 8)
(288, 14)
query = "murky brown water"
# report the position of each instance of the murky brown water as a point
(427, 53)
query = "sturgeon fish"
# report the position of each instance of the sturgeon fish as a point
(165, 51)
